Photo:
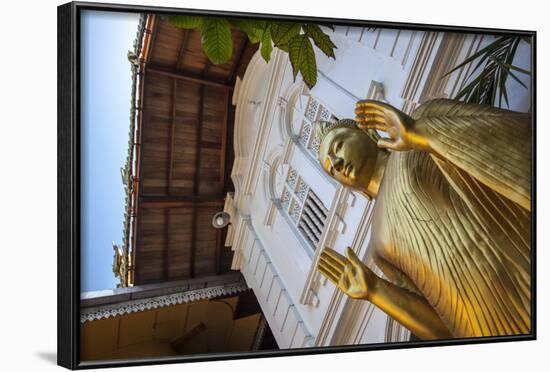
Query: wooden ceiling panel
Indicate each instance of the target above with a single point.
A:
(167, 40)
(182, 186)
(187, 98)
(159, 93)
(155, 168)
(210, 161)
(211, 134)
(183, 178)
(179, 243)
(153, 187)
(185, 148)
(193, 59)
(218, 72)
(247, 55)
(214, 95)
(210, 188)
(204, 221)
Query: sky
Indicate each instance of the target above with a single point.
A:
(106, 82)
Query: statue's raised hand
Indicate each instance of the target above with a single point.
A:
(400, 127)
(351, 275)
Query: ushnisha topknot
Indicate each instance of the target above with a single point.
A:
(323, 127)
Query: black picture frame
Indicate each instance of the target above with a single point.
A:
(69, 204)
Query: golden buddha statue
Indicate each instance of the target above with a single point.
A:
(452, 217)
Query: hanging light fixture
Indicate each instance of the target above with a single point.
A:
(221, 220)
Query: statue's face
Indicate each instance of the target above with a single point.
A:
(349, 156)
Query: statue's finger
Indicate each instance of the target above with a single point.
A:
(368, 117)
(353, 257)
(368, 110)
(332, 262)
(372, 104)
(336, 256)
(374, 124)
(365, 103)
(386, 143)
(328, 275)
(334, 271)
(331, 252)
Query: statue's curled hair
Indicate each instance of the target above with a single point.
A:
(322, 128)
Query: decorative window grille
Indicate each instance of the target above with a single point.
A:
(312, 221)
(312, 109)
(303, 206)
(315, 110)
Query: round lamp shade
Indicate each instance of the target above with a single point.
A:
(221, 220)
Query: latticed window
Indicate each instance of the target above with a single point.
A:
(303, 206)
(314, 111)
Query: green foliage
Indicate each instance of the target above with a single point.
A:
(489, 87)
(216, 39)
(302, 59)
(187, 22)
(284, 31)
(266, 48)
(321, 40)
(294, 38)
(252, 28)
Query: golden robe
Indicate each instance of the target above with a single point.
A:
(454, 225)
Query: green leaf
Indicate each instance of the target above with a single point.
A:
(254, 29)
(282, 32)
(216, 40)
(508, 72)
(516, 68)
(283, 47)
(495, 59)
(320, 39)
(294, 55)
(483, 53)
(186, 22)
(473, 84)
(266, 47)
(302, 58)
(501, 78)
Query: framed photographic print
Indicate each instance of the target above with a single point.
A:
(237, 185)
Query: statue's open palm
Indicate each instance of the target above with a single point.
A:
(384, 117)
(348, 273)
